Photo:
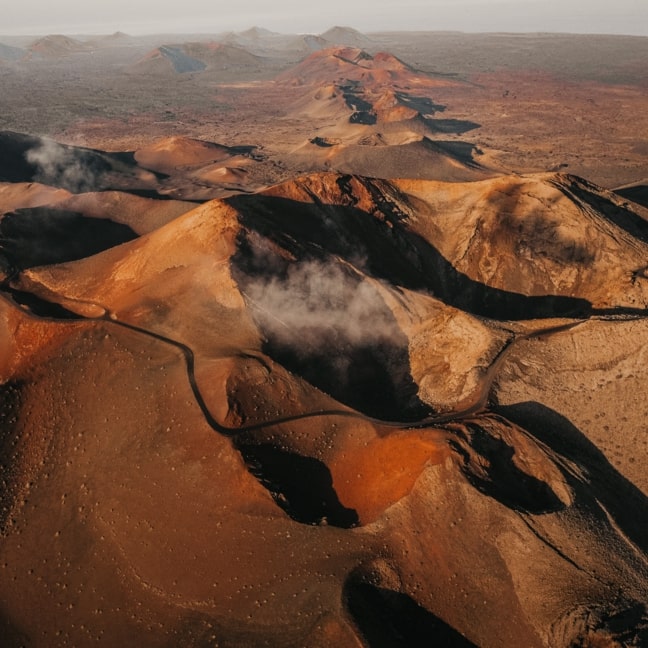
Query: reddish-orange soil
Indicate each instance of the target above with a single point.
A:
(336, 351)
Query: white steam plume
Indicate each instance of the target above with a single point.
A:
(315, 297)
(59, 166)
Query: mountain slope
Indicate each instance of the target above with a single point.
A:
(331, 369)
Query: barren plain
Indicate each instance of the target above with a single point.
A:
(324, 340)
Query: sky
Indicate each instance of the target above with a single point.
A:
(21, 17)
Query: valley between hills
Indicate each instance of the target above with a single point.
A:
(324, 340)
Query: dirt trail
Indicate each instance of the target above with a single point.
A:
(479, 404)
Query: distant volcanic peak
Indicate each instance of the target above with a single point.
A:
(387, 98)
(315, 42)
(345, 36)
(354, 55)
(362, 58)
(388, 61)
(180, 60)
(180, 142)
(108, 40)
(354, 65)
(375, 153)
(177, 151)
(327, 61)
(389, 106)
(56, 39)
(373, 93)
(153, 54)
(215, 53)
(170, 58)
(56, 45)
(257, 33)
(195, 57)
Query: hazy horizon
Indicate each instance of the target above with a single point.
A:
(30, 17)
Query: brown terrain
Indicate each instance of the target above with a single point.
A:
(327, 340)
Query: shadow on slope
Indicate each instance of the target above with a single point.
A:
(10, 397)
(389, 619)
(25, 158)
(463, 152)
(497, 475)
(423, 105)
(181, 61)
(301, 486)
(323, 320)
(43, 236)
(12, 637)
(636, 193)
(380, 245)
(450, 126)
(36, 305)
(584, 193)
(622, 499)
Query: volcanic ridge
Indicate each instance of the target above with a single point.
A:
(344, 408)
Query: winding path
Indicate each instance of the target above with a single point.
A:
(479, 403)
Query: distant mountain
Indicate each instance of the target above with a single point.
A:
(315, 43)
(177, 167)
(118, 35)
(117, 39)
(345, 36)
(345, 64)
(268, 43)
(257, 33)
(370, 89)
(56, 45)
(194, 57)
